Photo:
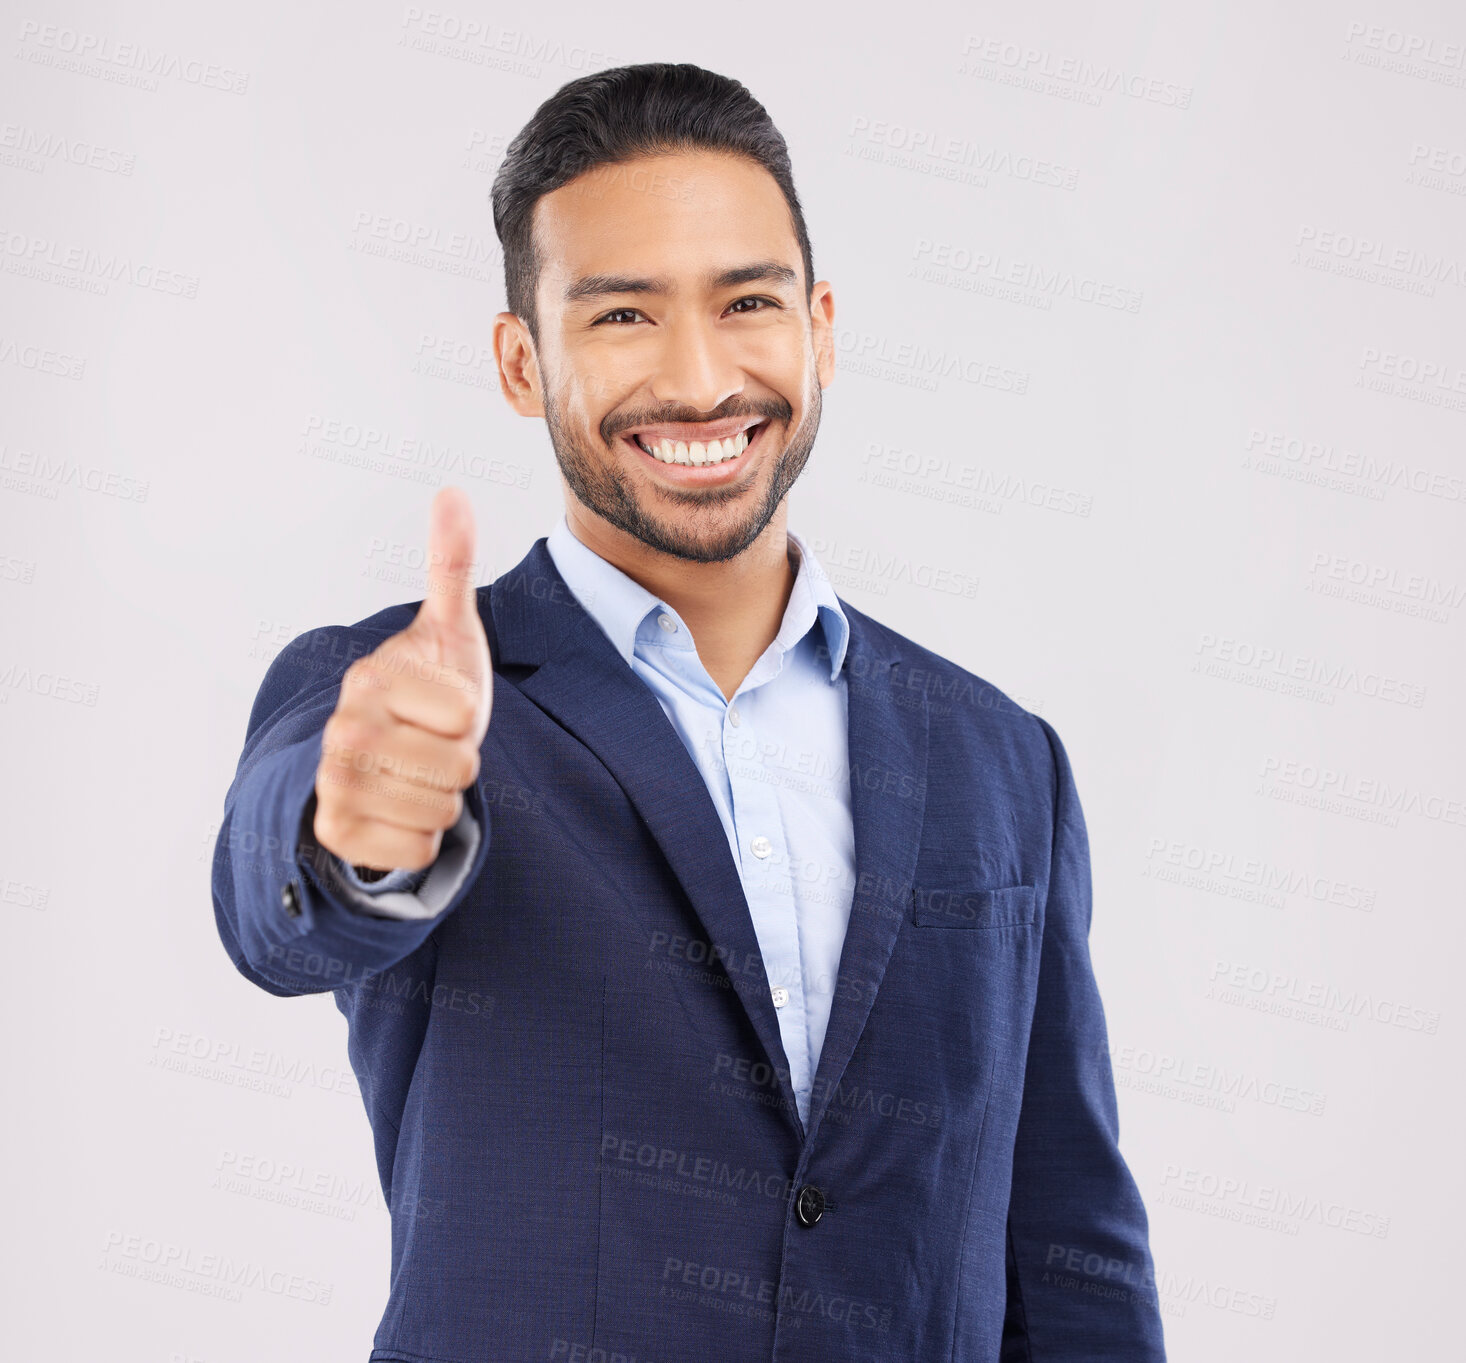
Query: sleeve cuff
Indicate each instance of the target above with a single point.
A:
(408, 894)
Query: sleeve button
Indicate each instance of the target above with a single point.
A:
(290, 898)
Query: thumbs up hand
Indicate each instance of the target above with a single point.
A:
(404, 739)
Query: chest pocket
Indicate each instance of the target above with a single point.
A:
(1006, 906)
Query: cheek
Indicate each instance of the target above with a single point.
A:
(778, 354)
(782, 377)
(589, 393)
(598, 373)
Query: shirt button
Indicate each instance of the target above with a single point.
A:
(760, 847)
(290, 899)
(734, 718)
(781, 996)
(667, 623)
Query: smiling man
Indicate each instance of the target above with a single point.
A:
(715, 958)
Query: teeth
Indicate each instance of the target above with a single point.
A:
(697, 454)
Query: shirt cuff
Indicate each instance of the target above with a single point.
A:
(398, 879)
(409, 894)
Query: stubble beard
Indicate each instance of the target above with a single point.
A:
(606, 489)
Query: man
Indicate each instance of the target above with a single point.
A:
(715, 958)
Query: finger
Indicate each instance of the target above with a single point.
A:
(397, 683)
(384, 799)
(450, 608)
(404, 751)
(377, 846)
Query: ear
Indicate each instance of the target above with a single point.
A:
(822, 324)
(519, 366)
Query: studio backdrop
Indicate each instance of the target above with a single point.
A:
(1149, 408)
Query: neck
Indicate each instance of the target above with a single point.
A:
(733, 608)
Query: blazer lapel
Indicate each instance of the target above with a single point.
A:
(582, 682)
(888, 771)
(585, 685)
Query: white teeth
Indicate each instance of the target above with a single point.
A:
(698, 454)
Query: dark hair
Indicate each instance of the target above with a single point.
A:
(619, 115)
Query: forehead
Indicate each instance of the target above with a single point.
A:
(676, 215)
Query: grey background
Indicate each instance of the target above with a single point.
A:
(1170, 449)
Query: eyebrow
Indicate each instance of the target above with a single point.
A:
(760, 271)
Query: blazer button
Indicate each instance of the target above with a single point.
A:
(810, 1205)
(290, 899)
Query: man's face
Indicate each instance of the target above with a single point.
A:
(672, 307)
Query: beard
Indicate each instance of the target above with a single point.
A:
(694, 525)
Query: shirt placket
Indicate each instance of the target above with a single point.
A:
(763, 865)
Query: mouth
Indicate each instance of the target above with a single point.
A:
(699, 461)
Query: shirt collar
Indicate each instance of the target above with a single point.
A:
(814, 596)
(620, 605)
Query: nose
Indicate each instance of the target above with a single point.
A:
(695, 368)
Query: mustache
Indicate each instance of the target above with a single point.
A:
(776, 409)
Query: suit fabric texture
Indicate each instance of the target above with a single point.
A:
(580, 1102)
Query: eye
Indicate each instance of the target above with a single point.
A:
(733, 307)
(615, 312)
(752, 298)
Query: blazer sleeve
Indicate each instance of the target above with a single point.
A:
(1081, 1282)
(284, 913)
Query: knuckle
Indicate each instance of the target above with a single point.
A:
(361, 684)
(423, 850)
(465, 707)
(377, 670)
(346, 735)
(329, 829)
(430, 807)
(356, 732)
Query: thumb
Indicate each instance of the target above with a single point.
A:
(448, 620)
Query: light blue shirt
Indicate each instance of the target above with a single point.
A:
(775, 759)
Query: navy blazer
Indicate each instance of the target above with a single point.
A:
(582, 1113)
